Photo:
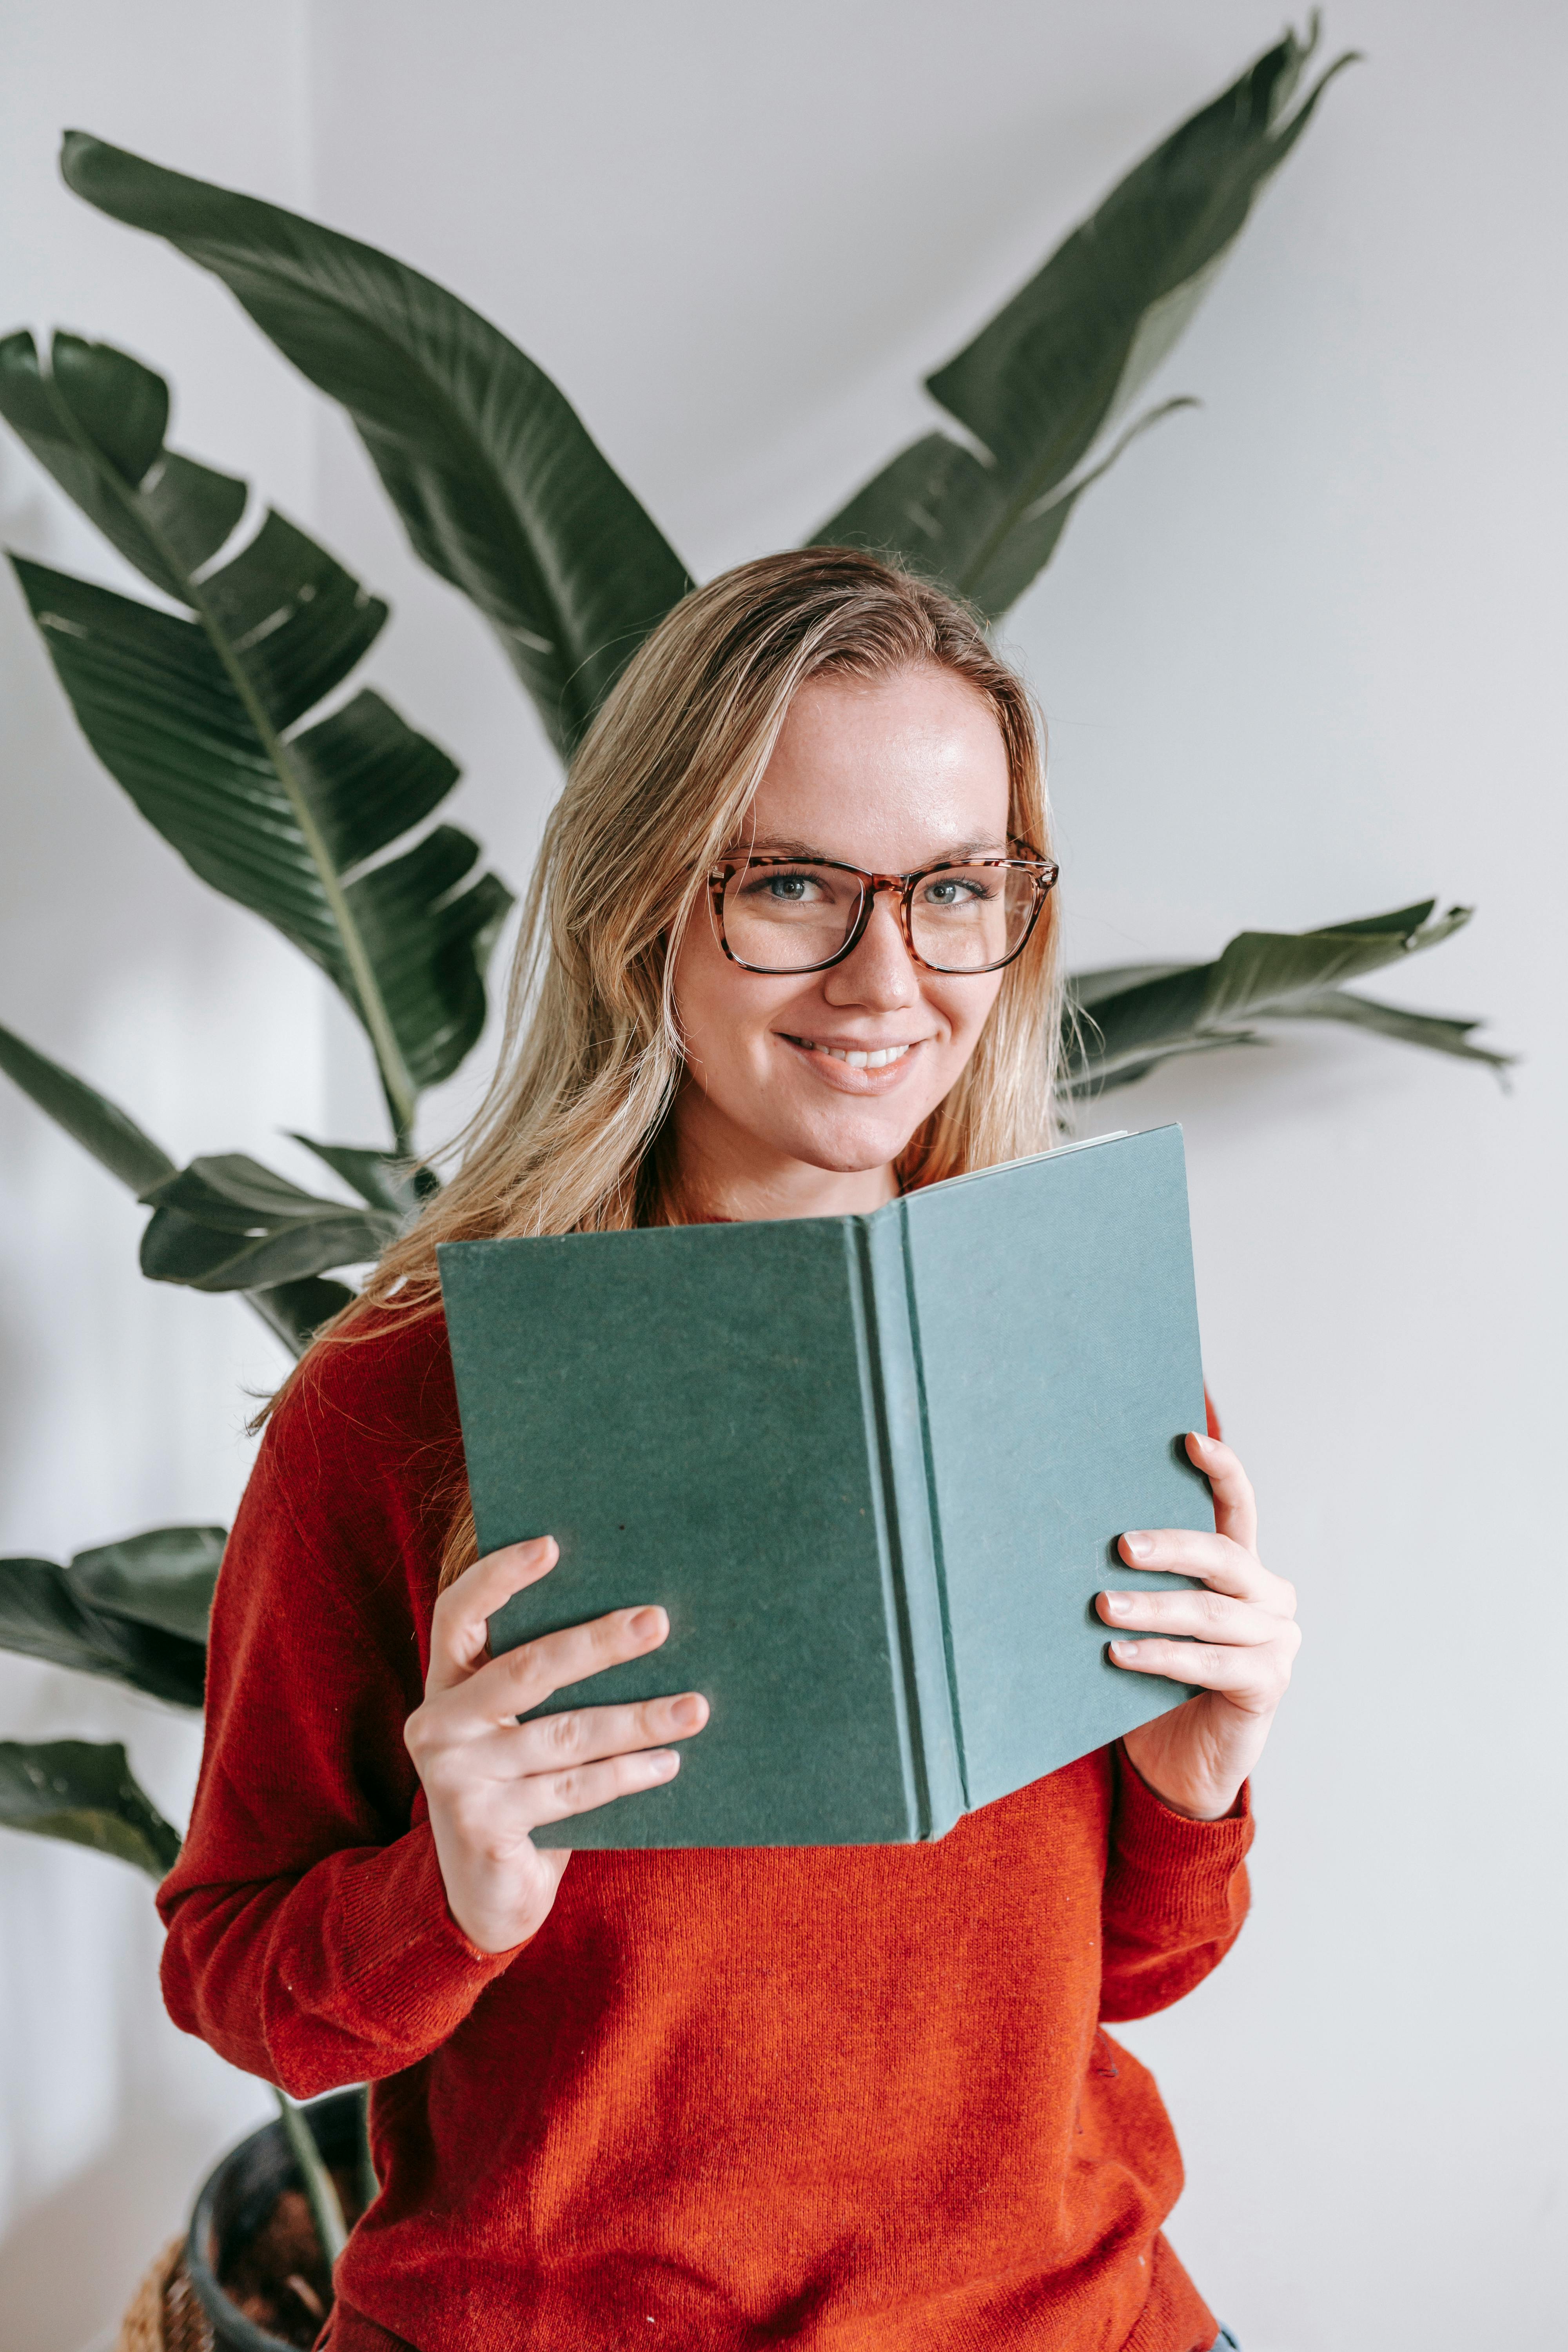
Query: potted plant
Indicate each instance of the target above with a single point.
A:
(327, 827)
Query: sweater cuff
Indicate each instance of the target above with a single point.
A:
(403, 1961)
(1174, 1852)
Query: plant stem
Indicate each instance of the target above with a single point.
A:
(369, 2186)
(314, 2179)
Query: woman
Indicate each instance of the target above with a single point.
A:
(844, 2098)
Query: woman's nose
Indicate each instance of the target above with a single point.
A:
(880, 970)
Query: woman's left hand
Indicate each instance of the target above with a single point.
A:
(1245, 1639)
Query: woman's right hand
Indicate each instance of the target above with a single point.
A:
(490, 1779)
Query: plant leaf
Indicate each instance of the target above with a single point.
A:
(228, 1223)
(100, 1126)
(1123, 1022)
(164, 1578)
(41, 1616)
(97, 425)
(1062, 359)
(1439, 1034)
(199, 718)
(501, 488)
(296, 1311)
(83, 1791)
(381, 1178)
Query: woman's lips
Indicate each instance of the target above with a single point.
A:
(857, 1069)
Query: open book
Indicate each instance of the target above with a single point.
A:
(874, 1467)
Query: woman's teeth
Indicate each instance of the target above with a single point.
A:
(876, 1061)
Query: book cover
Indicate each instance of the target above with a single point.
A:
(874, 1467)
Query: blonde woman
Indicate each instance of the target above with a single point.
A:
(792, 946)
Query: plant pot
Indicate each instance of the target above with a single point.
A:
(241, 2199)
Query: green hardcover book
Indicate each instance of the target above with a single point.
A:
(874, 1467)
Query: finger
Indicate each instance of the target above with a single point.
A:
(1255, 1679)
(1235, 1503)
(554, 1795)
(1205, 1616)
(458, 1632)
(585, 1735)
(1217, 1560)
(525, 1677)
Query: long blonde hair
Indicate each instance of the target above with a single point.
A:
(574, 1134)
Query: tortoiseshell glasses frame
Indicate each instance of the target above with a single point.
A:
(1037, 872)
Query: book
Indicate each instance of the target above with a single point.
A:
(874, 1467)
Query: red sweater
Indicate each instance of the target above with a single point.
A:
(850, 2099)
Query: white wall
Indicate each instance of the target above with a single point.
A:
(1299, 658)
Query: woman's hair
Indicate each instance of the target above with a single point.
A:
(573, 1135)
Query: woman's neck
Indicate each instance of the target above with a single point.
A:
(719, 1173)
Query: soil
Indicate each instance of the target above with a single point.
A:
(279, 2280)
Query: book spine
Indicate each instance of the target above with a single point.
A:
(912, 1567)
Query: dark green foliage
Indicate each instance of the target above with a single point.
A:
(100, 1126)
(164, 1578)
(1045, 378)
(229, 1224)
(243, 1218)
(44, 1614)
(1123, 1022)
(198, 718)
(499, 487)
(83, 1790)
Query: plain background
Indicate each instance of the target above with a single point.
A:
(1301, 656)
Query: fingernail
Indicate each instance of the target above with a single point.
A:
(686, 1712)
(665, 1765)
(644, 1623)
(1138, 1547)
(1125, 1649)
(1200, 1437)
(1119, 1603)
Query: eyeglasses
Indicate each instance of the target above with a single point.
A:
(793, 914)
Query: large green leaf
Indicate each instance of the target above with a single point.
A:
(294, 1310)
(499, 487)
(1066, 355)
(1126, 1020)
(42, 1616)
(297, 1310)
(198, 718)
(229, 1224)
(84, 1792)
(100, 1126)
(385, 1179)
(164, 1578)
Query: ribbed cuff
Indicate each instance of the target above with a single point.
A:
(1191, 1864)
(403, 1962)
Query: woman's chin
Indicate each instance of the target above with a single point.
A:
(850, 1146)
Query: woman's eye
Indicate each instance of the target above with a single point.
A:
(786, 890)
(949, 891)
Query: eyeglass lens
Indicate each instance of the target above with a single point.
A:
(790, 918)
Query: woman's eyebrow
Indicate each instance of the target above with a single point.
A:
(782, 845)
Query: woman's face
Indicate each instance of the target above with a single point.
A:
(891, 775)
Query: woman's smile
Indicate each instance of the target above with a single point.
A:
(857, 1067)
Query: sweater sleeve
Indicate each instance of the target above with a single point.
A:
(310, 1939)
(1176, 1896)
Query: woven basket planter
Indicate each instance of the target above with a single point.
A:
(165, 2314)
(181, 2305)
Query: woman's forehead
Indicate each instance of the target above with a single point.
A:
(912, 766)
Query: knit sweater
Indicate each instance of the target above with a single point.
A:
(851, 2099)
